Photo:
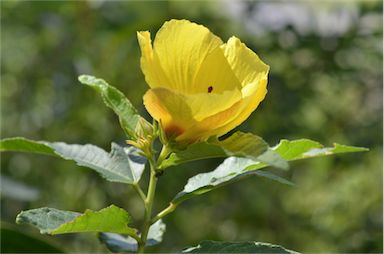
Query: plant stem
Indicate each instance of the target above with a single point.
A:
(135, 236)
(165, 151)
(148, 207)
(139, 191)
(163, 213)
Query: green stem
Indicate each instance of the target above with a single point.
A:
(135, 236)
(148, 207)
(163, 213)
(139, 191)
(165, 151)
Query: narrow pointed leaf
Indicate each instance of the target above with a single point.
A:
(306, 148)
(234, 168)
(237, 247)
(121, 243)
(239, 144)
(116, 100)
(53, 221)
(122, 164)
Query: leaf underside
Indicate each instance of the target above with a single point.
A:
(53, 221)
(237, 247)
(121, 243)
(122, 164)
(235, 168)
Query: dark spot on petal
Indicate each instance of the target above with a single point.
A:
(173, 131)
(210, 88)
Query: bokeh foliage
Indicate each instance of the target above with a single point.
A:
(325, 84)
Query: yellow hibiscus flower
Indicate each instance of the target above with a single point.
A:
(199, 86)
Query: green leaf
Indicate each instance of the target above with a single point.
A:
(271, 176)
(46, 219)
(239, 144)
(114, 99)
(237, 247)
(53, 221)
(234, 168)
(19, 144)
(122, 164)
(120, 243)
(306, 148)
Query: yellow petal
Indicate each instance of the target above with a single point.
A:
(254, 94)
(216, 74)
(253, 74)
(204, 105)
(246, 65)
(150, 66)
(200, 87)
(211, 126)
(176, 110)
(182, 46)
(168, 108)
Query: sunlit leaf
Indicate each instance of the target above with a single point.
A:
(234, 168)
(19, 144)
(117, 101)
(306, 148)
(121, 243)
(237, 247)
(122, 164)
(239, 144)
(53, 221)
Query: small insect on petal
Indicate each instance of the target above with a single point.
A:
(210, 88)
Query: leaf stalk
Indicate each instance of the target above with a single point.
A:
(165, 212)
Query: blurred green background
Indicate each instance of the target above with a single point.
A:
(325, 84)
